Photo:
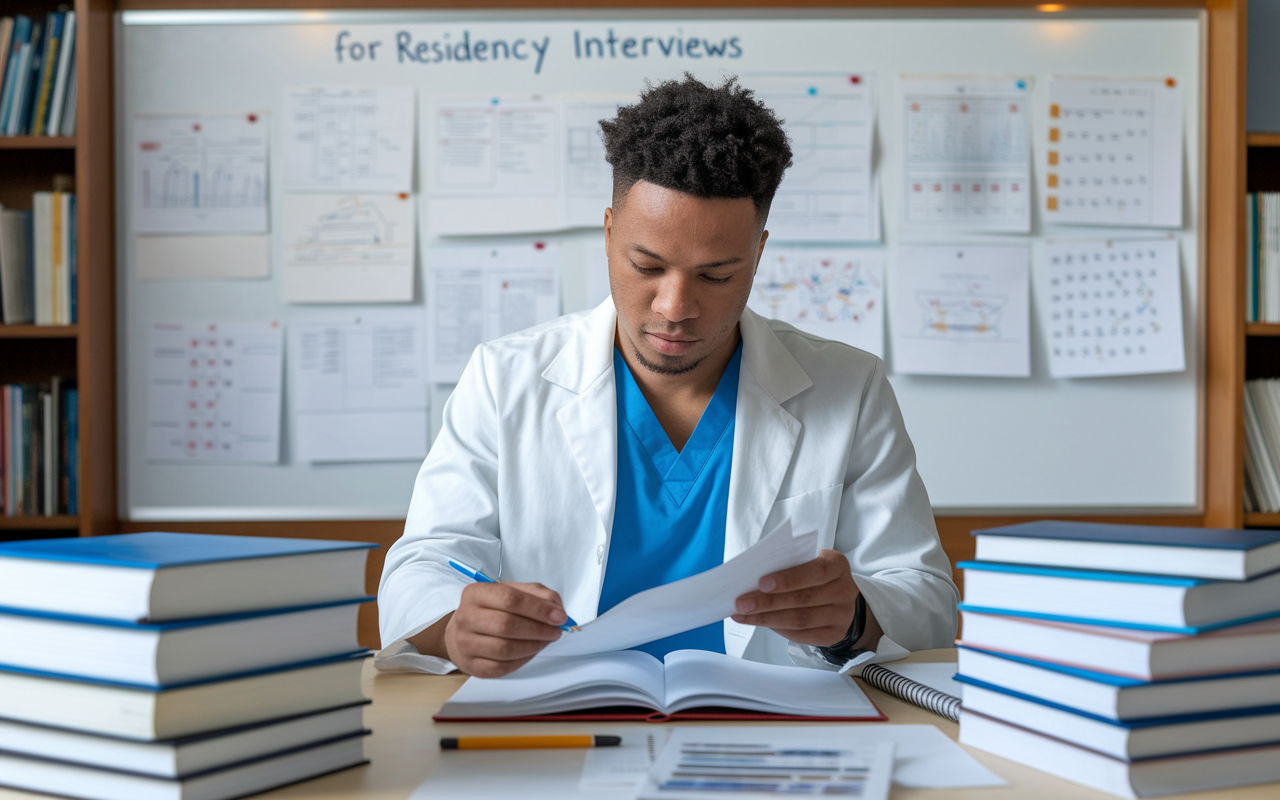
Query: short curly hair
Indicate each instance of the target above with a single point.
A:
(707, 141)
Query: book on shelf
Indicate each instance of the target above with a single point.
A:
(635, 686)
(1262, 445)
(37, 95)
(39, 448)
(39, 261)
(17, 268)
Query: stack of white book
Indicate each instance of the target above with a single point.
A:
(162, 665)
(1141, 661)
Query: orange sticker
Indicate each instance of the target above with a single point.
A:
(1053, 157)
(1055, 110)
(1053, 180)
(1052, 203)
(1053, 134)
(1170, 82)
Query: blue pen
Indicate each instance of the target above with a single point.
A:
(476, 575)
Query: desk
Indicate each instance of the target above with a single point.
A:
(404, 747)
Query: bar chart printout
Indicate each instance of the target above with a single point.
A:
(200, 173)
(966, 153)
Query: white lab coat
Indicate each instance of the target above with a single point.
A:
(521, 481)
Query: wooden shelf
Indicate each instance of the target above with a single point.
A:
(42, 331)
(1261, 519)
(1262, 329)
(1263, 139)
(58, 522)
(37, 142)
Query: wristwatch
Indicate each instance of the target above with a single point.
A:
(843, 650)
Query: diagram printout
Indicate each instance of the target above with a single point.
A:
(1111, 307)
(359, 392)
(1114, 155)
(836, 293)
(495, 166)
(349, 139)
(827, 195)
(966, 154)
(214, 392)
(476, 293)
(961, 310)
(351, 248)
(588, 178)
(200, 173)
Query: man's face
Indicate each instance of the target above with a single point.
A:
(680, 268)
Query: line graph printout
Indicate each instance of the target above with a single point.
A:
(1111, 307)
(348, 248)
(834, 293)
(349, 139)
(200, 173)
(961, 311)
(214, 392)
(827, 194)
(588, 178)
(476, 293)
(1114, 155)
(966, 153)
(495, 166)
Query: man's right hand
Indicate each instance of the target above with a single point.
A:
(497, 628)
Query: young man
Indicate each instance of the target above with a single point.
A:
(663, 433)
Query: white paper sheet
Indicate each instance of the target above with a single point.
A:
(200, 173)
(214, 392)
(494, 166)
(1114, 155)
(352, 248)
(690, 602)
(588, 178)
(961, 310)
(349, 139)
(755, 762)
(624, 766)
(597, 259)
(940, 676)
(837, 293)
(966, 155)
(827, 194)
(358, 389)
(191, 257)
(476, 293)
(1111, 307)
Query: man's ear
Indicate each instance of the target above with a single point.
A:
(608, 228)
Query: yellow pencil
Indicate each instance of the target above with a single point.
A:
(525, 742)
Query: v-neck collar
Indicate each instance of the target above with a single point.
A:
(679, 469)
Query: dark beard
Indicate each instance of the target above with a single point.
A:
(661, 370)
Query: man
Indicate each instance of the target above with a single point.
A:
(663, 433)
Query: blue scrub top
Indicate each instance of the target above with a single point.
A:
(671, 507)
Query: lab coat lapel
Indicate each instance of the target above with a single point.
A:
(590, 421)
(764, 440)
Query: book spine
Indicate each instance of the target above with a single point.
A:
(48, 464)
(21, 30)
(69, 106)
(13, 115)
(48, 64)
(39, 41)
(65, 58)
(30, 451)
(73, 450)
(903, 688)
(1250, 279)
(6, 39)
(42, 220)
(73, 254)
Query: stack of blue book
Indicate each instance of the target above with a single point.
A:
(166, 665)
(1141, 661)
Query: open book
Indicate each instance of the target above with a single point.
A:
(688, 684)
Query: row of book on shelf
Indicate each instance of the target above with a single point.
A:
(1262, 257)
(1138, 660)
(223, 665)
(1262, 445)
(38, 84)
(38, 261)
(39, 448)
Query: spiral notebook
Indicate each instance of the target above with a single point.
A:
(930, 686)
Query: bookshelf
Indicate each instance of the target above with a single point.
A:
(1262, 339)
(86, 350)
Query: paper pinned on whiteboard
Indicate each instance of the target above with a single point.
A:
(352, 248)
(476, 293)
(192, 257)
(349, 139)
(200, 173)
(214, 392)
(358, 387)
(588, 177)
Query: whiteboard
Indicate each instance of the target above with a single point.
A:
(984, 445)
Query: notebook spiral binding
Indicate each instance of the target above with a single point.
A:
(944, 705)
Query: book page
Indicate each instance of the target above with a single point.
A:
(620, 678)
(700, 678)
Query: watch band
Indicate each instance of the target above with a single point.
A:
(843, 650)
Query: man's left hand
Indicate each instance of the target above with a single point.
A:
(813, 603)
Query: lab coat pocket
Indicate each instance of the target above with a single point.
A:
(817, 510)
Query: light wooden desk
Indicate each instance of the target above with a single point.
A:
(405, 745)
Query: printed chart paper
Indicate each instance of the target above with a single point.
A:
(834, 293)
(1114, 155)
(353, 248)
(214, 392)
(827, 195)
(200, 173)
(966, 154)
(359, 392)
(349, 139)
(1111, 307)
(476, 293)
(961, 311)
(588, 178)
